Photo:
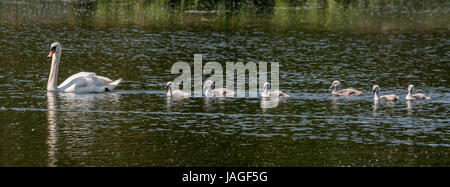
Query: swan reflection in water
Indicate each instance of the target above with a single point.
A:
(94, 101)
(412, 106)
(52, 128)
(212, 103)
(375, 106)
(386, 106)
(409, 108)
(338, 102)
(377, 103)
(391, 103)
(209, 103)
(268, 103)
(174, 103)
(59, 103)
(334, 105)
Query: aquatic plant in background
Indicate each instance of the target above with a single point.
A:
(332, 15)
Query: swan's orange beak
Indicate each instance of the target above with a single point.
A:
(51, 53)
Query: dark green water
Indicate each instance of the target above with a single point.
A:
(136, 125)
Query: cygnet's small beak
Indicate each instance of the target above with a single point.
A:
(331, 87)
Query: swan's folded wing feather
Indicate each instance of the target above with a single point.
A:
(349, 92)
(221, 92)
(74, 84)
(391, 97)
(278, 93)
(104, 79)
(77, 76)
(421, 96)
(180, 94)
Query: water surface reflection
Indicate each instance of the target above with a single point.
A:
(52, 128)
(138, 125)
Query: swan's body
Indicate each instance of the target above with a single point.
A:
(82, 82)
(272, 93)
(376, 92)
(391, 97)
(175, 93)
(344, 92)
(417, 96)
(219, 92)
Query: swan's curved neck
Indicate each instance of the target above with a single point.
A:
(376, 97)
(335, 90)
(265, 90)
(170, 90)
(208, 91)
(53, 77)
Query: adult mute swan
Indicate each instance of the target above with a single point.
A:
(376, 91)
(417, 96)
(219, 92)
(175, 93)
(271, 93)
(82, 82)
(345, 92)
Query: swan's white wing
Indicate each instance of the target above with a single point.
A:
(279, 93)
(179, 94)
(421, 96)
(83, 82)
(104, 79)
(349, 92)
(75, 76)
(221, 92)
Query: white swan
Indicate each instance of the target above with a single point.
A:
(175, 93)
(83, 82)
(269, 94)
(219, 92)
(376, 91)
(345, 92)
(417, 96)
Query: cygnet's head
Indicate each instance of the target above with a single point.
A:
(375, 89)
(169, 85)
(266, 86)
(208, 84)
(336, 84)
(410, 88)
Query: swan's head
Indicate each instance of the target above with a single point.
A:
(375, 89)
(169, 84)
(336, 84)
(266, 86)
(410, 88)
(208, 84)
(54, 48)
